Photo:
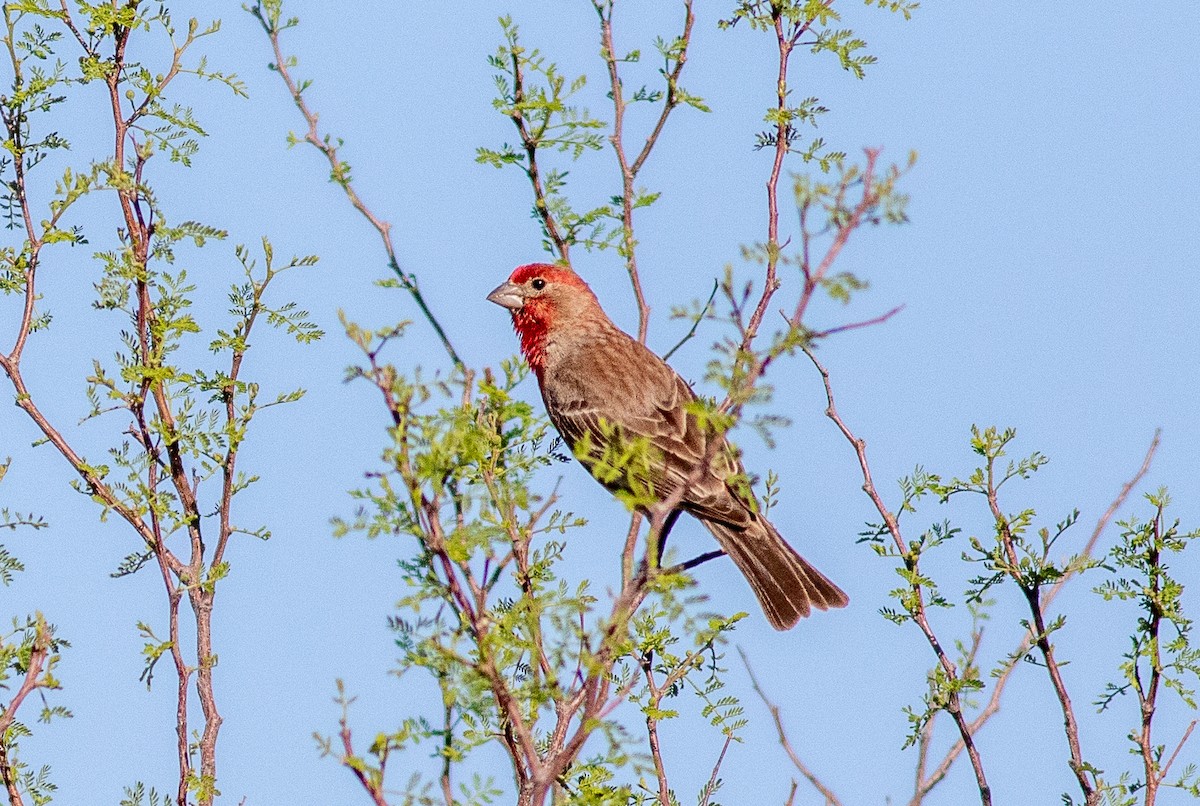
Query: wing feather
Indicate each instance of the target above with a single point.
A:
(592, 402)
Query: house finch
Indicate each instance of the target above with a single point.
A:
(609, 396)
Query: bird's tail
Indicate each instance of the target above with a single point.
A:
(787, 586)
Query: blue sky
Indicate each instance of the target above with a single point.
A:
(1049, 281)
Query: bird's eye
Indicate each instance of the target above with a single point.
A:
(538, 284)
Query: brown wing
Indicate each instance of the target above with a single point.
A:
(625, 392)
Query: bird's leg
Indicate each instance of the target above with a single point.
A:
(661, 541)
(692, 563)
(656, 545)
(664, 533)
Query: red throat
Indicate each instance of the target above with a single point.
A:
(532, 323)
(535, 318)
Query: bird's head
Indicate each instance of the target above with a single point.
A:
(542, 298)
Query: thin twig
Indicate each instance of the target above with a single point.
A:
(1119, 501)
(827, 793)
(340, 173)
(1187, 734)
(711, 787)
(695, 561)
(139, 228)
(530, 143)
(1150, 629)
(695, 324)
(868, 199)
(770, 283)
(821, 334)
(629, 171)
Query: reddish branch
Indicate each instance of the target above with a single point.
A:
(711, 787)
(1148, 698)
(786, 39)
(34, 679)
(149, 404)
(11, 363)
(139, 229)
(876, 320)
(953, 701)
(369, 784)
(1041, 640)
(869, 198)
(150, 533)
(1187, 734)
(660, 770)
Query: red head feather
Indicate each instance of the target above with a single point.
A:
(536, 317)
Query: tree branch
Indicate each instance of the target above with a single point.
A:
(339, 173)
(629, 171)
(925, 784)
(954, 704)
(1042, 641)
(831, 799)
(34, 679)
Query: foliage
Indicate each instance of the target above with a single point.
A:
(489, 615)
(1160, 654)
(173, 428)
(568, 676)
(522, 656)
(535, 96)
(29, 654)
(1025, 557)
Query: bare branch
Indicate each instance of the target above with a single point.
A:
(699, 318)
(711, 787)
(1119, 501)
(1187, 734)
(830, 798)
(340, 173)
(821, 334)
(695, 561)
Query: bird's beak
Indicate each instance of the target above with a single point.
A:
(507, 295)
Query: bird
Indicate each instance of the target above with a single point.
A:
(605, 393)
